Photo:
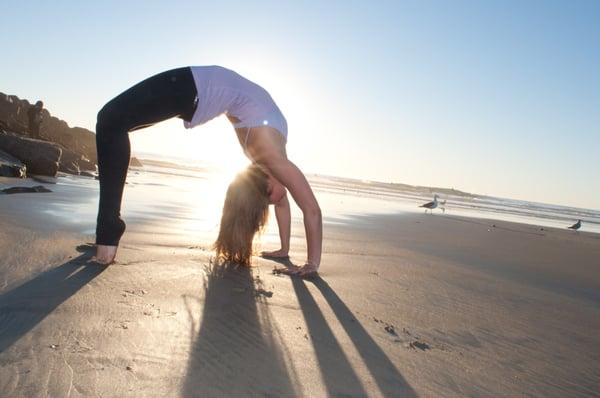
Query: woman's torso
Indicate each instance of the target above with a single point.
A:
(223, 91)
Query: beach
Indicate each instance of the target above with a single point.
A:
(406, 303)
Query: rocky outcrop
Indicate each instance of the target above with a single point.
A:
(76, 142)
(75, 139)
(40, 157)
(74, 163)
(11, 166)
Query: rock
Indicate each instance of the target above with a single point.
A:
(68, 162)
(391, 330)
(13, 117)
(43, 179)
(37, 188)
(135, 162)
(263, 292)
(73, 162)
(40, 157)
(420, 345)
(86, 164)
(416, 344)
(11, 166)
(13, 113)
(87, 174)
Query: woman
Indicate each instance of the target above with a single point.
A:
(198, 94)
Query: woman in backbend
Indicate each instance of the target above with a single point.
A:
(198, 94)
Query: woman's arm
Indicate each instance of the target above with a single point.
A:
(266, 147)
(283, 216)
(293, 179)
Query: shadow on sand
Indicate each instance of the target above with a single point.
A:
(25, 306)
(339, 376)
(236, 352)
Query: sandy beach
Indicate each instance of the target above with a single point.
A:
(407, 304)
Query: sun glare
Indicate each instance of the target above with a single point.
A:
(214, 145)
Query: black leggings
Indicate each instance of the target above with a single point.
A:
(160, 97)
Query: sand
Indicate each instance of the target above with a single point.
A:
(405, 305)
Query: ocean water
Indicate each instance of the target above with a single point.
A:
(189, 196)
(360, 197)
(203, 186)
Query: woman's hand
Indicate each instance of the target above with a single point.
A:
(306, 271)
(105, 255)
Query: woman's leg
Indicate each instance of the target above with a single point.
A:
(160, 97)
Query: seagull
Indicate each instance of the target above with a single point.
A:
(443, 205)
(575, 226)
(431, 205)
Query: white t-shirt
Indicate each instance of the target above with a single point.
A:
(222, 91)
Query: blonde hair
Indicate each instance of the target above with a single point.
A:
(245, 212)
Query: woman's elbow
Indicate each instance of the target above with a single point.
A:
(313, 211)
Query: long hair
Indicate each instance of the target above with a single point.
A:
(245, 212)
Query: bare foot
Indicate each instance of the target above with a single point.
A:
(275, 254)
(306, 271)
(105, 255)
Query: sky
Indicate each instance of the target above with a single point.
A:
(496, 98)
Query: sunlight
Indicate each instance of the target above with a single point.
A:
(214, 144)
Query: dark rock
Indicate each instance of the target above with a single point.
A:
(263, 292)
(40, 157)
(391, 330)
(37, 188)
(73, 162)
(420, 345)
(11, 170)
(68, 162)
(13, 113)
(13, 117)
(86, 164)
(11, 166)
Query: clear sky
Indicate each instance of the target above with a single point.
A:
(491, 97)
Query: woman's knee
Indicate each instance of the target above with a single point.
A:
(106, 123)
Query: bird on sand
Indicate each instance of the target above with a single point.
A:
(431, 205)
(575, 226)
(443, 205)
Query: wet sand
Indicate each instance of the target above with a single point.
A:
(406, 305)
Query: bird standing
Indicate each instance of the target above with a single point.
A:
(575, 226)
(431, 205)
